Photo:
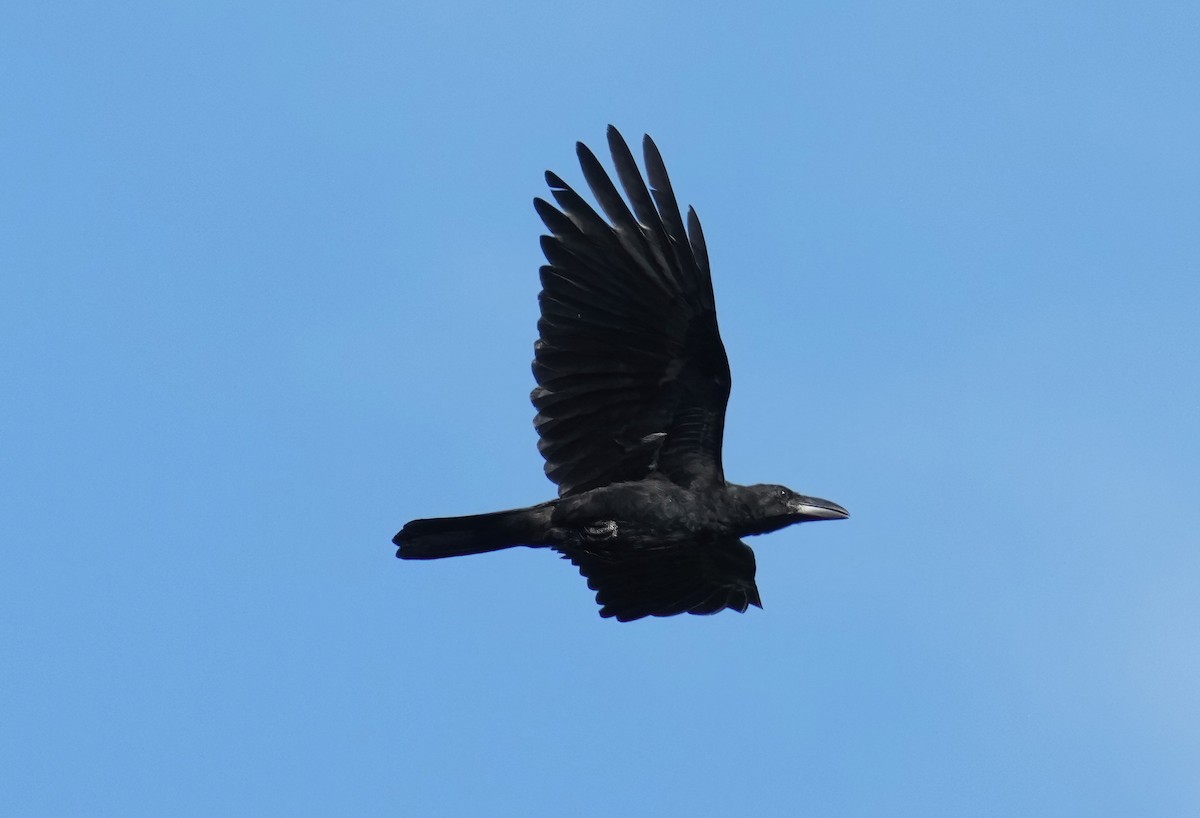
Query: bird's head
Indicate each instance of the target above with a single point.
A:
(774, 507)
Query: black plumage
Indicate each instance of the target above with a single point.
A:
(632, 386)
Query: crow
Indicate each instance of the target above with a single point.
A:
(632, 383)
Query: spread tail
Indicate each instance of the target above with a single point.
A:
(475, 534)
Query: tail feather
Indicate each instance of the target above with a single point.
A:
(475, 534)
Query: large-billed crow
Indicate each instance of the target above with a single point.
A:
(632, 386)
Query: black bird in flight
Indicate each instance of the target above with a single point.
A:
(632, 386)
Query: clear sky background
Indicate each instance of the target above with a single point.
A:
(268, 290)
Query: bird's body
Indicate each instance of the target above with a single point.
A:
(638, 515)
(632, 385)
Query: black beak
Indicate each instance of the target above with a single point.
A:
(814, 508)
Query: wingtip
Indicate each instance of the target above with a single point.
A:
(651, 152)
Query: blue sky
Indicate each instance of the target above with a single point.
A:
(268, 290)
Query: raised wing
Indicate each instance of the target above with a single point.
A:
(632, 375)
(673, 580)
